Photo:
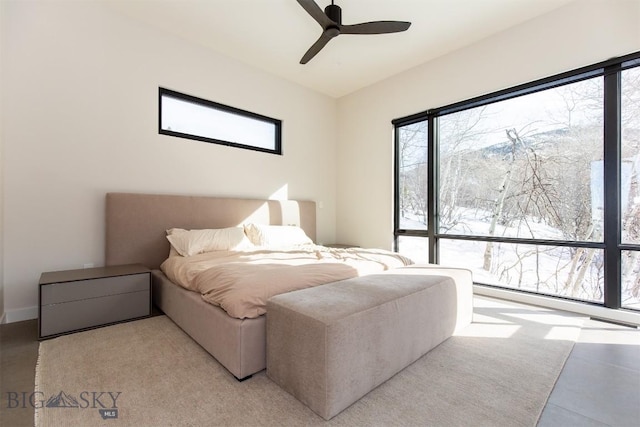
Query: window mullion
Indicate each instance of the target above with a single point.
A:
(432, 193)
(396, 187)
(612, 147)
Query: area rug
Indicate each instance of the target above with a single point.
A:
(499, 371)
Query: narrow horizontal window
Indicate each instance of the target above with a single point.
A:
(189, 117)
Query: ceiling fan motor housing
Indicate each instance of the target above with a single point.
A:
(334, 13)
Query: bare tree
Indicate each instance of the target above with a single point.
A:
(498, 205)
(413, 170)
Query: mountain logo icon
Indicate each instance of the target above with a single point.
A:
(62, 400)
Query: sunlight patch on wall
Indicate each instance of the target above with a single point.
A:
(280, 194)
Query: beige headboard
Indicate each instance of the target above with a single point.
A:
(136, 224)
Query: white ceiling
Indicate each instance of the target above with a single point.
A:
(274, 34)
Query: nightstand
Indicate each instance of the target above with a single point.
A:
(74, 300)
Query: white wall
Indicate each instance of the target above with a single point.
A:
(579, 34)
(82, 86)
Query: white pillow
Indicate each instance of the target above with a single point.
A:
(193, 242)
(276, 235)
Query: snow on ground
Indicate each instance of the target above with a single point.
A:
(544, 269)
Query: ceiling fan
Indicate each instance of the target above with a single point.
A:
(331, 22)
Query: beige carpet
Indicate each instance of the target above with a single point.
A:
(498, 372)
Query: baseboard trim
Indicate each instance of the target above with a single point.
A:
(3, 318)
(20, 314)
(621, 316)
(614, 322)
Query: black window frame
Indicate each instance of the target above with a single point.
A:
(162, 92)
(611, 71)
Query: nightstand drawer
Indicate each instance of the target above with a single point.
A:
(56, 293)
(87, 313)
(74, 300)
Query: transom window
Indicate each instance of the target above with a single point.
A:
(189, 117)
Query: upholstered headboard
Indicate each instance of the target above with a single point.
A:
(136, 224)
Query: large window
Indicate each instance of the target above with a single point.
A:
(534, 188)
(630, 186)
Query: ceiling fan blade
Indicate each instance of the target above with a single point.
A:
(316, 13)
(318, 45)
(377, 27)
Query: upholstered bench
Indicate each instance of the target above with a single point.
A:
(330, 345)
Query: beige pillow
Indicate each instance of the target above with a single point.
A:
(193, 242)
(276, 235)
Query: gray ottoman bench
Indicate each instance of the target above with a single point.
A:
(330, 345)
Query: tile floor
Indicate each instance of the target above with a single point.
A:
(600, 382)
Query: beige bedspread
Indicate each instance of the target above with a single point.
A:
(240, 282)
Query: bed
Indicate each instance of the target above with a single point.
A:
(136, 232)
